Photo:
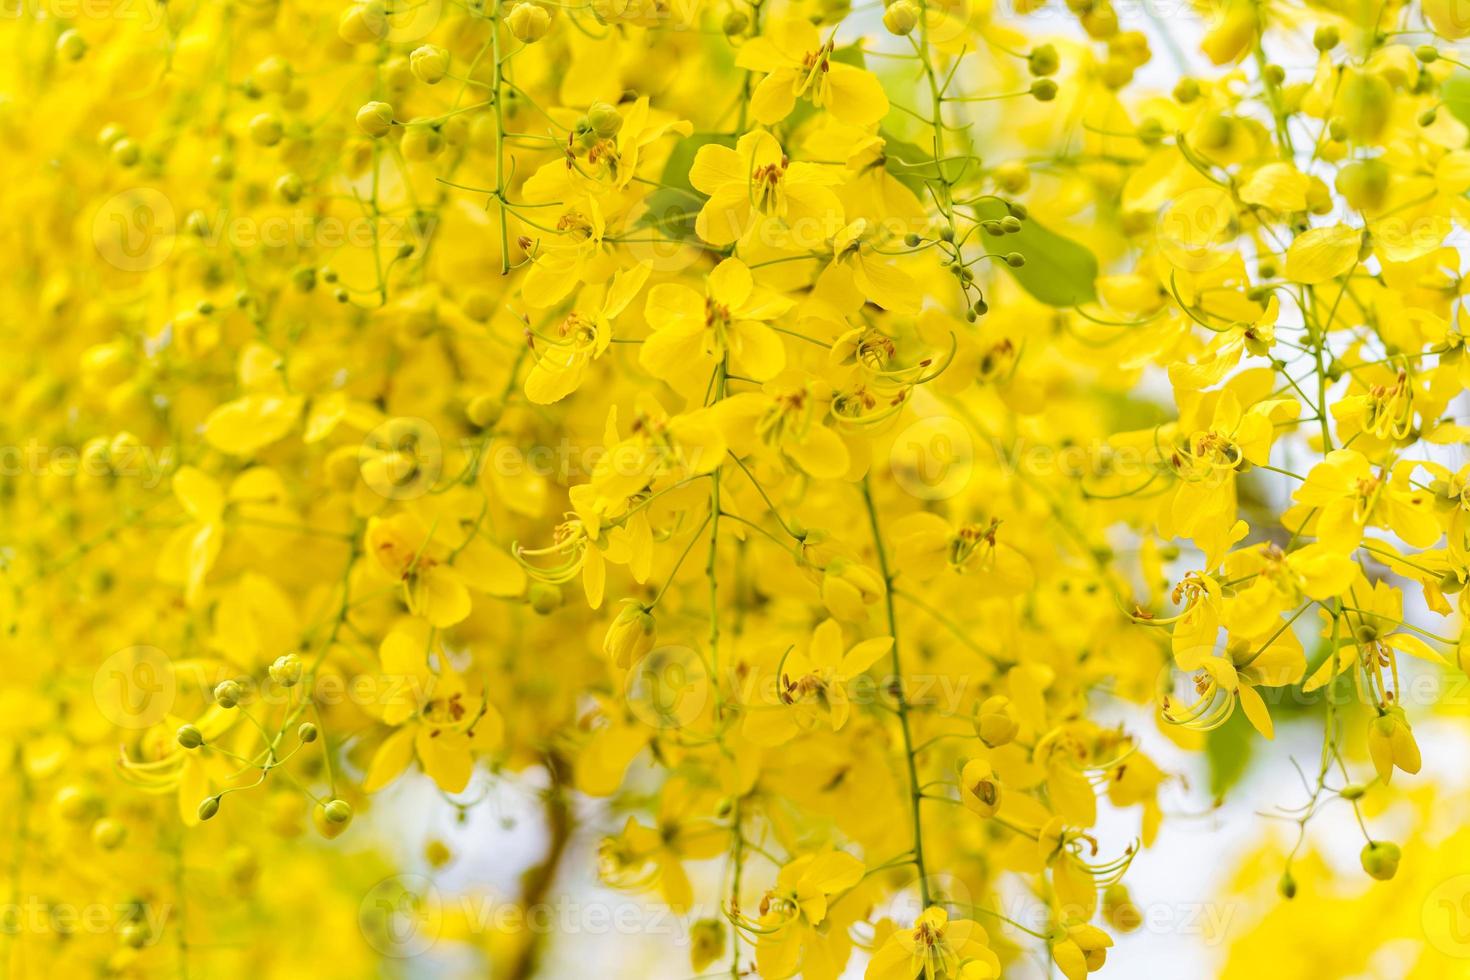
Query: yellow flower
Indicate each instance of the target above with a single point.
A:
(810, 686)
(643, 857)
(799, 64)
(405, 551)
(564, 352)
(791, 937)
(935, 949)
(757, 194)
(693, 333)
(1081, 950)
(437, 718)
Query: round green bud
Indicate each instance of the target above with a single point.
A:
(429, 63)
(338, 811)
(71, 46)
(306, 732)
(266, 129)
(901, 17)
(208, 807)
(286, 670)
(1015, 260)
(375, 119)
(1326, 38)
(288, 188)
(735, 22)
(545, 598)
(108, 834)
(227, 694)
(126, 153)
(189, 736)
(604, 119)
(1043, 60)
(1380, 859)
(912, 240)
(1043, 90)
(1186, 91)
(529, 22)
(1427, 53)
(1287, 885)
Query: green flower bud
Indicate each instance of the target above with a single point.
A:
(529, 22)
(545, 598)
(1380, 859)
(108, 834)
(901, 17)
(337, 811)
(189, 736)
(208, 807)
(71, 46)
(604, 119)
(266, 129)
(1043, 60)
(1044, 90)
(375, 119)
(288, 188)
(430, 63)
(286, 670)
(306, 732)
(227, 694)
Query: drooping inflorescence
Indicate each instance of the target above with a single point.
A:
(834, 471)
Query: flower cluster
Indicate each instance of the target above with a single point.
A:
(821, 453)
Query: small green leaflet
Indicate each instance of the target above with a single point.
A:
(1455, 93)
(674, 205)
(1058, 271)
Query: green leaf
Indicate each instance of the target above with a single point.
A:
(673, 206)
(905, 160)
(1058, 271)
(1228, 750)
(681, 157)
(1455, 93)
